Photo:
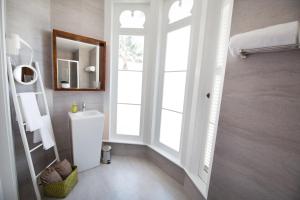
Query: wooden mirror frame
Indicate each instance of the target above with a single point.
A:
(80, 38)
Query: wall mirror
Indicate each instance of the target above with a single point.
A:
(25, 74)
(79, 62)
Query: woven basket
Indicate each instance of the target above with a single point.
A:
(63, 188)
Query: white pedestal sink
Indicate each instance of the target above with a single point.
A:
(87, 131)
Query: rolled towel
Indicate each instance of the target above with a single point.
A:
(50, 175)
(64, 168)
(282, 34)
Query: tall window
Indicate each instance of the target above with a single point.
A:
(129, 38)
(176, 36)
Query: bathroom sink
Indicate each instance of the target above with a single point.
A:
(87, 130)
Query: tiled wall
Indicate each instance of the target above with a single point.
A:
(33, 20)
(83, 17)
(257, 153)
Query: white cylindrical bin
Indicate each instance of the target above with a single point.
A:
(106, 157)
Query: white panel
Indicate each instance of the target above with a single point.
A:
(1, 191)
(128, 119)
(129, 87)
(173, 93)
(170, 129)
(87, 140)
(177, 50)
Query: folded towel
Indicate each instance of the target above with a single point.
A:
(282, 34)
(31, 112)
(46, 133)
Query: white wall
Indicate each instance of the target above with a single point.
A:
(8, 180)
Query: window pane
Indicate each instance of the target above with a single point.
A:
(177, 51)
(132, 19)
(180, 9)
(128, 119)
(129, 87)
(131, 52)
(173, 93)
(170, 129)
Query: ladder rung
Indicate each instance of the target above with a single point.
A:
(38, 146)
(46, 167)
(37, 93)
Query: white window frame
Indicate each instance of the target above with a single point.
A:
(166, 28)
(208, 47)
(118, 8)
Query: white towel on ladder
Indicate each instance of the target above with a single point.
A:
(45, 133)
(31, 112)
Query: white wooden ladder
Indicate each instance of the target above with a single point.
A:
(34, 175)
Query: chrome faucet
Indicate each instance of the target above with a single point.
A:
(83, 107)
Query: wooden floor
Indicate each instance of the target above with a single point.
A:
(127, 178)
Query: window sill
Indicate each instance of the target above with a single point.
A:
(166, 155)
(119, 141)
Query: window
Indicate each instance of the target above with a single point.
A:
(132, 19)
(128, 71)
(174, 69)
(180, 9)
(216, 92)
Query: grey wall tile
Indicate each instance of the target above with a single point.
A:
(257, 147)
(31, 20)
(84, 18)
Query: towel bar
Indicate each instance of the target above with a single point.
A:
(244, 53)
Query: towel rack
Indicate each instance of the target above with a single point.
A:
(244, 53)
(28, 151)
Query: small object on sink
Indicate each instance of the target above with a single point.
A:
(50, 175)
(65, 84)
(106, 158)
(83, 106)
(74, 108)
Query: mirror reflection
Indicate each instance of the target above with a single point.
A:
(77, 64)
(25, 74)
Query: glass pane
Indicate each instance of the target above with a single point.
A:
(173, 93)
(180, 9)
(170, 129)
(132, 19)
(177, 51)
(131, 52)
(129, 87)
(128, 119)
